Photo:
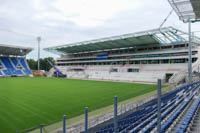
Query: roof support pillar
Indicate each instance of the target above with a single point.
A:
(189, 53)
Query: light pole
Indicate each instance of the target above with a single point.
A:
(39, 40)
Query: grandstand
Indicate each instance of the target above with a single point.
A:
(13, 61)
(37, 104)
(138, 57)
(179, 109)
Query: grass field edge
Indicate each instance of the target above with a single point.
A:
(57, 125)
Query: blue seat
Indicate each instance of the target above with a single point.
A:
(7, 72)
(11, 65)
(26, 69)
(182, 127)
(10, 69)
(138, 120)
(16, 63)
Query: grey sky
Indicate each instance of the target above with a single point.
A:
(66, 21)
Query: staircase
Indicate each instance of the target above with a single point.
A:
(180, 76)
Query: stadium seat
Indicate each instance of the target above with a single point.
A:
(145, 119)
(147, 73)
(16, 64)
(10, 70)
(27, 71)
(188, 117)
(11, 66)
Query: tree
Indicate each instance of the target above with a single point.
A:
(32, 64)
(44, 64)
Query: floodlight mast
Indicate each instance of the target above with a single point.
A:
(39, 40)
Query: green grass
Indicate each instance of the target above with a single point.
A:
(28, 102)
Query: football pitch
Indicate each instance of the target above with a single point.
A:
(29, 102)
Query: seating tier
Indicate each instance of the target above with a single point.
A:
(14, 66)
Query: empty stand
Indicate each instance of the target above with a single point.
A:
(10, 70)
(25, 66)
(16, 64)
(10, 66)
(173, 104)
(146, 73)
(183, 126)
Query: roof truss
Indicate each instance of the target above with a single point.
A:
(187, 10)
(161, 36)
(14, 50)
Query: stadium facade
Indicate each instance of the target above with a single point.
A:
(13, 61)
(139, 57)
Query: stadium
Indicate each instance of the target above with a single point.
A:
(131, 57)
(142, 82)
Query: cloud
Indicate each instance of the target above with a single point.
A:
(66, 21)
(88, 13)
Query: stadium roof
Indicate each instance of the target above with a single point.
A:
(161, 36)
(14, 50)
(187, 9)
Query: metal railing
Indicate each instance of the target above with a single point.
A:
(122, 109)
